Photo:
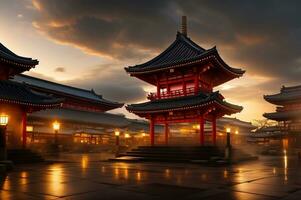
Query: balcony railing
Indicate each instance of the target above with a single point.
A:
(172, 94)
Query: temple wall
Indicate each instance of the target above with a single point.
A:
(15, 126)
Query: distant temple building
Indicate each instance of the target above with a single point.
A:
(82, 115)
(185, 75)
(288, 110)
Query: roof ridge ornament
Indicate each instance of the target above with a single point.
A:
(184, 25)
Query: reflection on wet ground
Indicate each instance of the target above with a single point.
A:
(85, 177)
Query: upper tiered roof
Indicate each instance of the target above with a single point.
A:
(183, 52)
(287, 95)
(18, 63)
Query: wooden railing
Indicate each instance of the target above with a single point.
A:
(171, 94)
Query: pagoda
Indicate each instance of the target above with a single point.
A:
(184, 75)
(16, 99)
(288, 110)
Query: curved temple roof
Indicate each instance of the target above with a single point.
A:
(83, 117)
(282, 116)
(68, 90)
(181, 52)
(182, 103)
(9, 57)
(286, 95)
(17, 93)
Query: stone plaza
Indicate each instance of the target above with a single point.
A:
(91, 176)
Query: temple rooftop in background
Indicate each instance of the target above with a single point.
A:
(286, 95)
(288, 110)
(76, 95)
(17, 93)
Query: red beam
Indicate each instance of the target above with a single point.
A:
(214, 130)
(152, 131)
(166, 131)
(24, 133)
(202, 133)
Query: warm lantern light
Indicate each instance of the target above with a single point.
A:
(117, 133)
(143, 134)
(29, 128)
(3, 120)
(56, 126)
(236, 132)
(127, 135)
(196, 126)
(228, 130)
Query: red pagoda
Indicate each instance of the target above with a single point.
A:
(185, 75)
(16, 99)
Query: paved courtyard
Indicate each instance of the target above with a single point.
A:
(85, 177)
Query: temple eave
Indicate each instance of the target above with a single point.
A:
(282, 116)
(223, 107)
(235, 72)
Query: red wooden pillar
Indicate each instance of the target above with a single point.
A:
(24, 133)
(202, 131)
(196, 83)
(184, 85)
(214, 130)
(166, 131)
(152, 131)
(158, 90)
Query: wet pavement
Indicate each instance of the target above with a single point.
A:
(85, 177)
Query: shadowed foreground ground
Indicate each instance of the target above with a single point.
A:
(88, 178)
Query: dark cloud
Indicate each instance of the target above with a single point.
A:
(261, 36)
(112, 83)
(60, 69)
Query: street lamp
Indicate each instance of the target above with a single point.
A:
(117, 134)
(29, 129)
(228, 147)
(56, 127)
(228, 131)
(3, 125)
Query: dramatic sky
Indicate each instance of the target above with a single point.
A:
(87, 43)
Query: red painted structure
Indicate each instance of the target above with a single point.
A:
(184, 75)
(16, 99)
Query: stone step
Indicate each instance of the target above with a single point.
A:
(172, 153)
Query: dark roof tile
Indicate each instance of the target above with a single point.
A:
(180, 103)
(181, 52)
(17, 93)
